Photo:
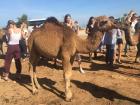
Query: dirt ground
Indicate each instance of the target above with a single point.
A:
(100, 85)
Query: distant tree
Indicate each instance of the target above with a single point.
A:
(23, 18)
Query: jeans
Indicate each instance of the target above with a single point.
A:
(110, 53)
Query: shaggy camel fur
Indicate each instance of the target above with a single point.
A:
(1, 40)
(54, 39)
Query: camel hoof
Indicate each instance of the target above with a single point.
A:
(68, 99)
(35, 91)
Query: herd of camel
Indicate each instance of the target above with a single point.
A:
(53, 39)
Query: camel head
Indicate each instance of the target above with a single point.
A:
(103, 23)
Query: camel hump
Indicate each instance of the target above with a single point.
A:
(52, 20)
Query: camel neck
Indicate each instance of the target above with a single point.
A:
(89, 44)
(82, 45)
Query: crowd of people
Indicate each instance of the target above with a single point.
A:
(112, 40)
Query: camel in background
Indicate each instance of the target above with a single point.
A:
(2, 36)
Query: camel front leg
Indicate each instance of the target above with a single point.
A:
(34, 90)
(67, 75)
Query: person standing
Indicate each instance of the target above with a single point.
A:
(110, 41)
(89, 28)
(13, 50)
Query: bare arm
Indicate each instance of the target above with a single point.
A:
(8, 33)
(77, 30)
(22, 33)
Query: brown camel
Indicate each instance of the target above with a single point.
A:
(134, 39)
(54, 39)
(131, 38)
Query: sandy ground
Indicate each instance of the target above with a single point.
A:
(100, 85)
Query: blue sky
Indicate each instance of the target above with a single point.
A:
(80, 10)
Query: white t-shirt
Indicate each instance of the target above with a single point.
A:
(14, 38)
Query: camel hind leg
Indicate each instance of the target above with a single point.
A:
(1, 48)
(35, 78)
